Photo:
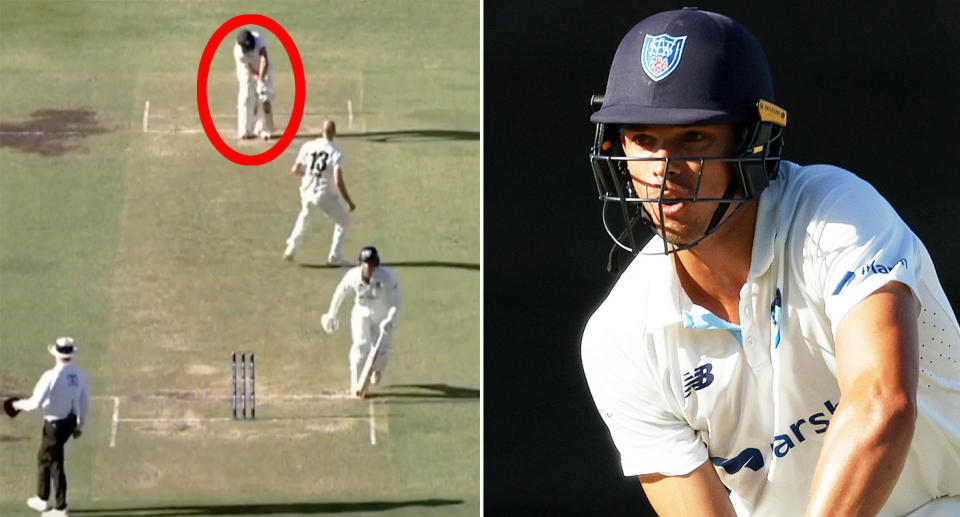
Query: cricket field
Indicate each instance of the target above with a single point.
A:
(121, 225)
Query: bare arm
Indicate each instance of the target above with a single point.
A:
(342, 187)
(264, 63)
(869, 436)
(298, 169)
(697, 494)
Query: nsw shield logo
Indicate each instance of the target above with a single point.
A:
(661, 54)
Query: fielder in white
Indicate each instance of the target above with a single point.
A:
(782, 348)
(255, 94)
(62, 394)
(319, 164)
(376, 302)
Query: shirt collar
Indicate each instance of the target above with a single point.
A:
(664, 301)
(765, 230)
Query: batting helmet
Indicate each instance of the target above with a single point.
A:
(246, 40)
(678, 68)
(369, 254)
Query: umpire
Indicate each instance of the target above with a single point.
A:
(62, 393)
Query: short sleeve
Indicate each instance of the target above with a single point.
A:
(302, 155)
(338, 159)
(260, 43)
(627, 391)
(396, 298)
(855, 244)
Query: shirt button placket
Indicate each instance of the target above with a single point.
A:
(756, 355)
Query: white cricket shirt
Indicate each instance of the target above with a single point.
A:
(373, 299)
(678, 386)
(319, 157)
(61, 391)
(252, 58)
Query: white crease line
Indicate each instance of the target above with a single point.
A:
(146, 115)
(276, 114)
(116, 420)
(373, 426)
(183, 131)
(200, 420)
(342, 395)
(349, 113)
(184, 420)
(191, 131)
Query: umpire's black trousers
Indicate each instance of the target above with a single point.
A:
(50, 458)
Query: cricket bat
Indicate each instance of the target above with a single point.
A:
(363, 382)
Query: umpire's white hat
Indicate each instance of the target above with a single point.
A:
(64, 347)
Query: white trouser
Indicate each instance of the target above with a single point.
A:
(365, 329)
(335, 208)
(251, 117)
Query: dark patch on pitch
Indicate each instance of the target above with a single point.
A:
(51, 132)
(4, 438)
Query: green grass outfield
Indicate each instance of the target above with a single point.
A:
(124, 227)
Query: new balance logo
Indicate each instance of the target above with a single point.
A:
(698, 379)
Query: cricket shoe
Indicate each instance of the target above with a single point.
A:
(38, 504)
(248, 136)
(264, 135)
(56, 513)
(288, 256)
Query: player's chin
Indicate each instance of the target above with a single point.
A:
(670, 225)
(677, 233)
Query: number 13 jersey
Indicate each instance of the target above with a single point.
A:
(319, 157)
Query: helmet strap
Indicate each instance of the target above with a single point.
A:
(721, 208)
(617, 251)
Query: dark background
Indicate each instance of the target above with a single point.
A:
(875, 90)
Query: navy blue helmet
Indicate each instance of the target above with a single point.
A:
(369, 254)
(678, 68)
(245, 40)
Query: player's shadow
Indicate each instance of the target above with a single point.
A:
(406, 135)
(261, 509)
(426, 391)
(421, 263)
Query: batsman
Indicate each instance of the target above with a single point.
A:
(373, 321)
(780, 343)
(255, 94)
